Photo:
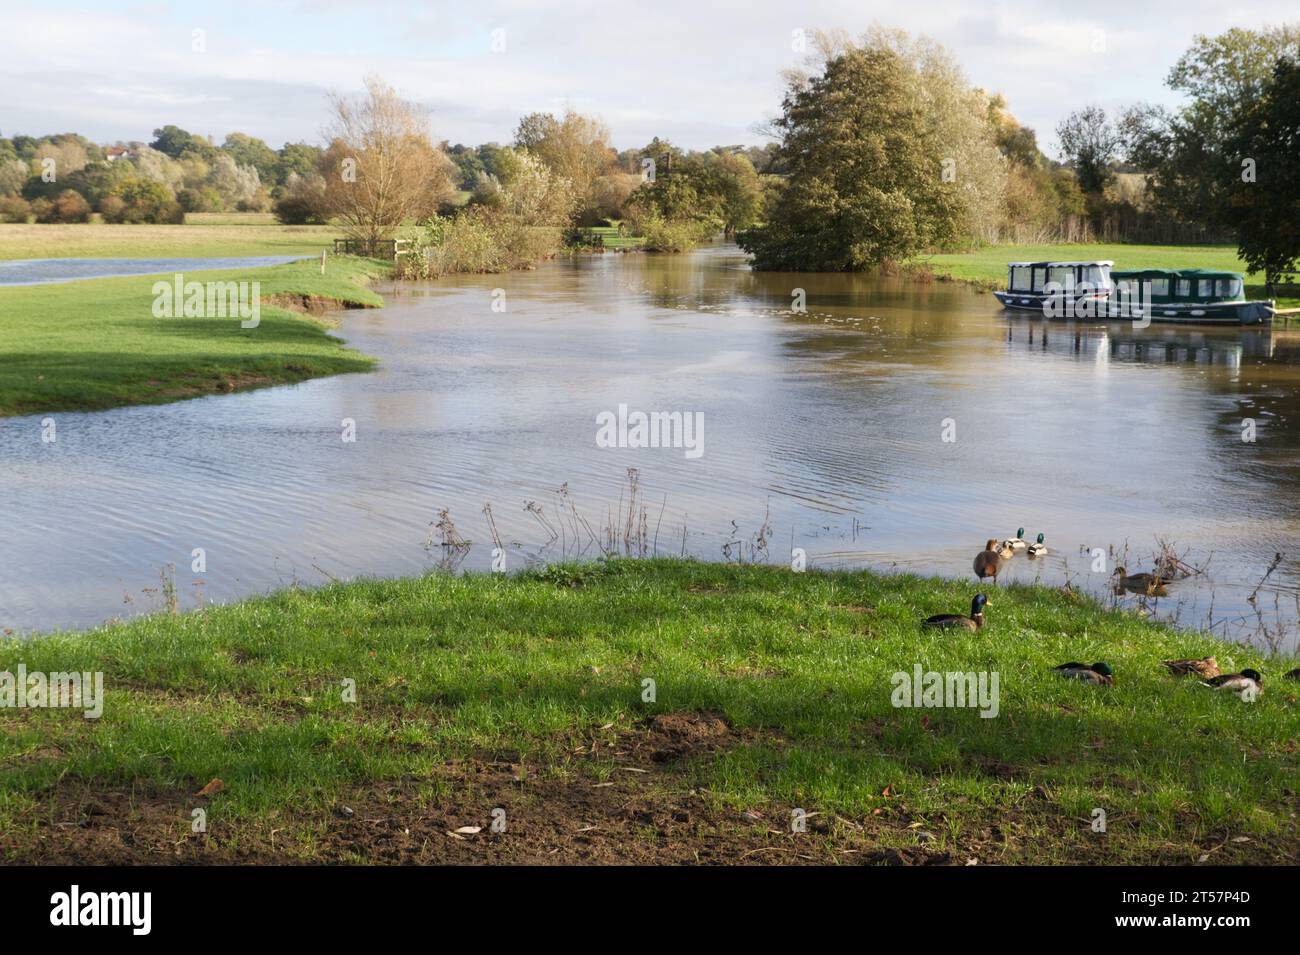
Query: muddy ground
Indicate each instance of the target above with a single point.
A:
(621, 799)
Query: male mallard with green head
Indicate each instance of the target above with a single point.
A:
(1246, 684)
(989, 561)
(1038, 548)
(1205, 668)
(1015, 543)
(946, 621)
(1099, 674)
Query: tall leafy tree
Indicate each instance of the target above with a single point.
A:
(864, 176)
(1090, 141)
(1264, 202)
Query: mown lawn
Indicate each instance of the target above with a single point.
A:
(81, 346)
(987, 266)
(544, 675)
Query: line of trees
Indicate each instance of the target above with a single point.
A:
(66, 177)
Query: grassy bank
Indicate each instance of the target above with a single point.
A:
(82, 346)
(772, 693)
(202, 236)
(987, 267)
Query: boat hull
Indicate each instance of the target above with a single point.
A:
(1181, 313)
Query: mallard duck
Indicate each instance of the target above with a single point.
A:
(1015, 543)
(1038, 548)
(1292, 674)
(1245, 684)
(1099, 673)
(948, 620)
(989, 561)
(1148, 584)
(1208, 667)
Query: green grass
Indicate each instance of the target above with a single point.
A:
(81, 346)
(987, 266)
(446, 666)
(612, 240)
(202, 236)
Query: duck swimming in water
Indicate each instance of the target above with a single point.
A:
(1015, 543)
(1038, 548)
(1148, 584)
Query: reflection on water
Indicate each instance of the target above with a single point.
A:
(828, 423)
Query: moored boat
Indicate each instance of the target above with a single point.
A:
(1042, 286)
(1186, 297)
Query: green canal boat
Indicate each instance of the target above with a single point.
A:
(1186, 297)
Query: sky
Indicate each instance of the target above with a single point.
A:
(698, 73)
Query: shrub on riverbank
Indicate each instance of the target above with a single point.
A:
(771, 690)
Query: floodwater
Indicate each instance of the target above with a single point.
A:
(43, 271)
(894, 425)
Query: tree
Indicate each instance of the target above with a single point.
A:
(864, 172)
(382, 168)
(174, 142)
(1264, 203)
(1089, 140)
(574, 147)
(1185, 153)
(297, 159)
(248, 150)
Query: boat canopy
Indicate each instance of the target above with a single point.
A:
(1182, 285)
(1036, 277)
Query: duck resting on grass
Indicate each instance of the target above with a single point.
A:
(989, 561)
(1015, 543)
(1148, 584)
(1099, 673)
(1205, 668)
(1292, 674)
(1038, 548)
(947, 621)
(1245, 684)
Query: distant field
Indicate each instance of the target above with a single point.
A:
(987, 267)
(205, 235)
(609, 235)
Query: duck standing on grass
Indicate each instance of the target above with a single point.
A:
(947, 621)
(1038, 548)
(1099, 674)
(989, 561)
(1205, 668)
(1245, 684)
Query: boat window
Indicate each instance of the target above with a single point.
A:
(1062, 274)
(1039, 279)
(1184, 288)
(1020, 278)
(1205, 288)
(1160, 287)
(1096, 276)
(1229, 288)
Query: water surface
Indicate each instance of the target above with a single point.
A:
(44, 271)
(829, 425)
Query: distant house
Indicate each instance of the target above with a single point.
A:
(114, 153)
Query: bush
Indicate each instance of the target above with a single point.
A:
(67, 206)
(142, 200)
(478, 240)
(302, 202)
(15, 209)
(112, 208)
(672, 235)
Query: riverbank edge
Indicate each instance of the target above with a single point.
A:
(296, 291)
(528, 691)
